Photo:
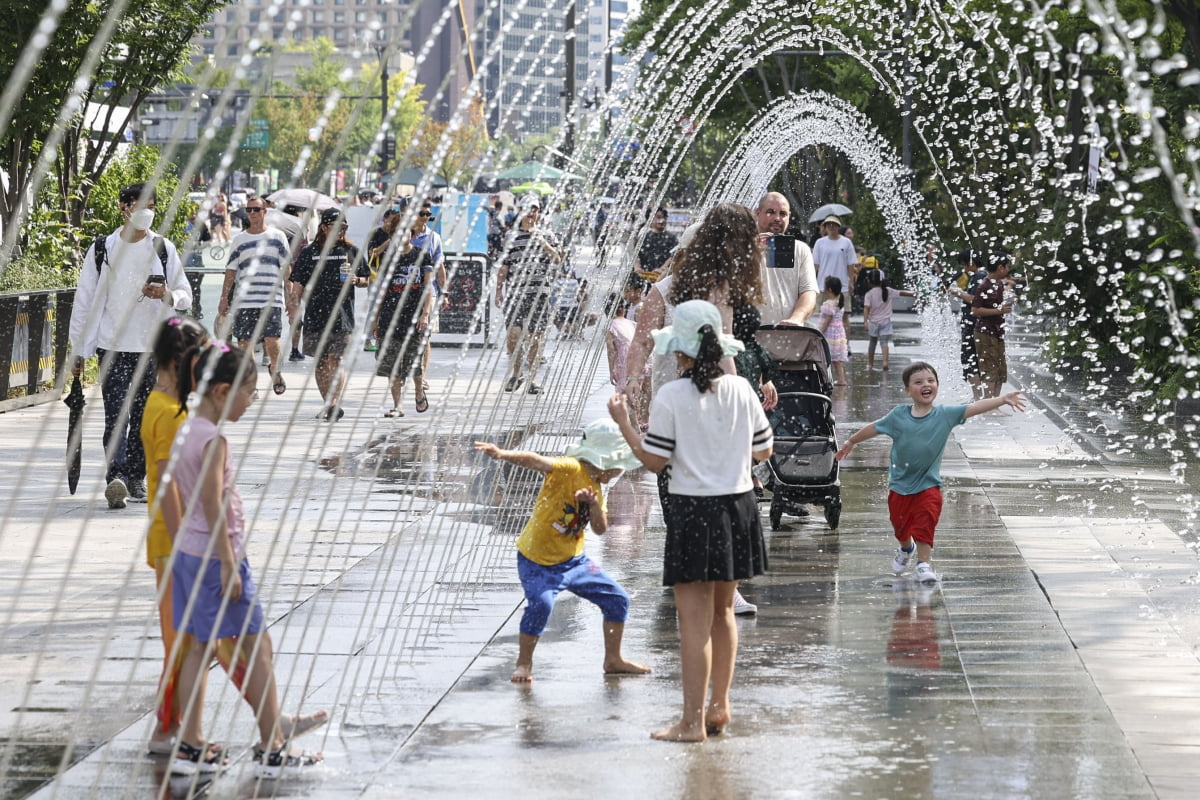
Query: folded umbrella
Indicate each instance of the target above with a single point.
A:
(75, 402)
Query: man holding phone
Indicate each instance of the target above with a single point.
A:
(789, 279)
(130, 282)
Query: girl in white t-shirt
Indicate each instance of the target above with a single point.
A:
(877, 314)
(709, 427)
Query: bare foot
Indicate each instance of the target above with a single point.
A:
(680, 733)
(296, 725)
(624, 667)
(522, 674)
(715, 719)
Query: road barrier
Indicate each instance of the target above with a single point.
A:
(32, 345)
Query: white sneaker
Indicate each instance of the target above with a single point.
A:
(925, 573)
(115, 493)
(741, 607)
(901, 560)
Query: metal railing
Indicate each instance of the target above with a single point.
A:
(33, 345)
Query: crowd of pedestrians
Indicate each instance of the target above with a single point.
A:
(693, 389)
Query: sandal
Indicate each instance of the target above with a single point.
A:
(191, 760)
(272, 765)
(279, 386)
(512, 384)
(395, 412)
(534, 389)
(422, 404)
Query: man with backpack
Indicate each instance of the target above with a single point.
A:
(130, 282)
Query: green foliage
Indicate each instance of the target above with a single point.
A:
(135, 165)
(148, 44)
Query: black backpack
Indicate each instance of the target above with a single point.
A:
(100, 248)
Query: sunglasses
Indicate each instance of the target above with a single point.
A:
(254, 209)
(426, 214)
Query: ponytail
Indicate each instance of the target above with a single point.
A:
(204, 366)
(707, 366)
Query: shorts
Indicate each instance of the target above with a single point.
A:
(246, 320)
(966, 352)
(207, 621)
(880, 330)
(531, 312)
(993, 364)
(566, 316)
(580, 576)
(334, 346)
(915, 515)
(712, 538)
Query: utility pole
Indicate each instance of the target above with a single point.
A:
(568, 144)
(385, 150)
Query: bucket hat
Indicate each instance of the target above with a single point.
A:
(603, 446)
(683, 334)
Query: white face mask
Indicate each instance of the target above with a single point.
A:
(142, 219)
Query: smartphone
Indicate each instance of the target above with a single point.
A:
(156, 280)
(781, 252)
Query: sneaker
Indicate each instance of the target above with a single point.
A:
(137, 492)
(273, 765)
(296, 356)
(742, 607)
(115, 493)
(925, 573)
(901, 560)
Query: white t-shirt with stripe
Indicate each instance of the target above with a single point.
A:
(708, 437)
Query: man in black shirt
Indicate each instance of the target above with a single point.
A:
(657, 246)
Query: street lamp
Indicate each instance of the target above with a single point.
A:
(381, 50)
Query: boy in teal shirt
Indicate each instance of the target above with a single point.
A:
(919, 434)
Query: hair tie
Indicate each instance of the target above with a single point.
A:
(220, 346)
(174, 322)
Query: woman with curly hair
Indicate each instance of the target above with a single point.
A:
(719, 263)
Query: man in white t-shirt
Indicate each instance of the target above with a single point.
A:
(131, 281)
(835, 257)
(790, 289)
(260, 263)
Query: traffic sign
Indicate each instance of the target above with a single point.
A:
(256, 140)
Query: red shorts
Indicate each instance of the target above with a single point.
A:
(916, 515)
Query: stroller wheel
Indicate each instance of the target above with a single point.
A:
(833, 513)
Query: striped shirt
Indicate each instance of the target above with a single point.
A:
(530, 270)
(261, 261)
(708, 437)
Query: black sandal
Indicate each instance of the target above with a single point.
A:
(279, 387)
(272, 765)
(191, 760)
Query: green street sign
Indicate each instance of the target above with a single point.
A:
(256, 140)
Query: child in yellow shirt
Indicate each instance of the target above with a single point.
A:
(550, 555)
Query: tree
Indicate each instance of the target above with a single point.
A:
(147, 46)
(450, 148)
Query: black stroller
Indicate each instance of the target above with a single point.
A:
(802, 470)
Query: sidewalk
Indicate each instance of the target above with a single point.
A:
(1058, 659)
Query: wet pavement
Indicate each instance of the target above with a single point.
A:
(1057, 659)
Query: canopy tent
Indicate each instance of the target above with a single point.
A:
(536, 171)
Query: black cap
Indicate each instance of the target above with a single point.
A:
(330, 216)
